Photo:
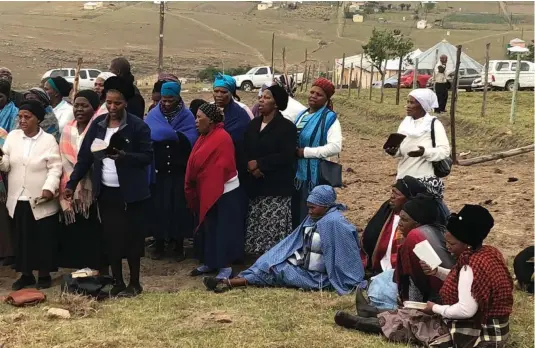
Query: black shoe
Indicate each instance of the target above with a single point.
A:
(44, 282)
(117, 289)
(25, 281)
(364, 309)
(210, 283)
(179, 256)
(131, 291)
(350, 321)
(157, 254)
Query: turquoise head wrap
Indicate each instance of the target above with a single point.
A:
(225, 81)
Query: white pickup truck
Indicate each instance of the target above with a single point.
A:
(257, 76)
(502, 75)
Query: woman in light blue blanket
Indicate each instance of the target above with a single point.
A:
(319, 136)
(322, 253)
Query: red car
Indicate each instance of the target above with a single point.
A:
(407, 78)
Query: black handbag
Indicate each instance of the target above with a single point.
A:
(441, 168)
(330, 173)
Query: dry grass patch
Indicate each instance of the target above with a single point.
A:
(249, 317)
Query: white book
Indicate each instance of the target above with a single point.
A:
(426, 253)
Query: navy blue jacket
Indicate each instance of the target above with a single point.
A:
(132, 168)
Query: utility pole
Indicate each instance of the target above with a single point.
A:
(160, 50)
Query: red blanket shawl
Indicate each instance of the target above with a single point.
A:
(210, 165)
(492, 287)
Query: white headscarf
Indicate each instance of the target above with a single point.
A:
(105, 75)
(426, 97)
(416, 128)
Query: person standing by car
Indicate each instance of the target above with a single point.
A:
(441, 83)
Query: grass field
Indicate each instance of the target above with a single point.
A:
(249, 318)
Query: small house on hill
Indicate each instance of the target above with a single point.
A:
(517, 43)
(421, 24)
(358, 18)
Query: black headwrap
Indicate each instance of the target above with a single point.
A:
(5, 88)
(195, 104)
(121, 85)
(280, 95)
(158, 87)
(91, 96)
(212, 112)
(424, 209)
(410, 187)
(61, 85)
(471, 225)
(123, 69)
(35, 108)
(40, 94)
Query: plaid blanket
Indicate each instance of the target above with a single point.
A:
(69, 145)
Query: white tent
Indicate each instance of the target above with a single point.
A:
(429, 58)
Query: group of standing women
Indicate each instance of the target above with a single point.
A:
(235, 183)
(248, 184)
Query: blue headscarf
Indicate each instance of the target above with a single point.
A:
(171, 89)
(324, 196)
(226, 82)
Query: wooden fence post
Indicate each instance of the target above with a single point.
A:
(341, 82)
(305, 70)
(415, 75)
(273, 57)
(454, 89)
(360, 75)
(371, 83)
(399, 79)
(308, 78)
(349, 83)
(515, 90)
(485, 81)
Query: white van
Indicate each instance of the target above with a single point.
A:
(87, 76)
(502, 74)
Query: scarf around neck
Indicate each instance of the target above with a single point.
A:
(8, 117)
(69, 145)
(211, 164)
(314, 134)
(416, 128)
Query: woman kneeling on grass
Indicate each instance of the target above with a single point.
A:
(477, 294)
(322, 253)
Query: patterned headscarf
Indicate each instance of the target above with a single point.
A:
(40, 94)
(327, 87)
(324, 196)
(434, 186)
(212, 112)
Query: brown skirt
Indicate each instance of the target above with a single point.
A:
(413, 326)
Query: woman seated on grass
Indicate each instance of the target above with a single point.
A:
(419, 221)
(322, 253)
(477, 294)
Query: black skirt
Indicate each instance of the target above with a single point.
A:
(81, 241)
(123, 225)
(6, 233)
(172, 218)
(219, 242)
(36, 240)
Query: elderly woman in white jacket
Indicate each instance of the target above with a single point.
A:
(416, 153)
(31, 159)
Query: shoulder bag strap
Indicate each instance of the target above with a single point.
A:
(433, 132)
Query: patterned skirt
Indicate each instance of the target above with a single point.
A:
(268, 222)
